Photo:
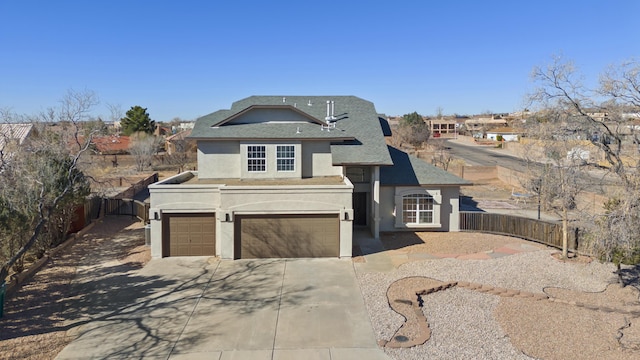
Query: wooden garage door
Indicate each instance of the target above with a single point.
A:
(286, 236)
(189, 235)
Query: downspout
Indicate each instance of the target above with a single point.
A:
(375, 205)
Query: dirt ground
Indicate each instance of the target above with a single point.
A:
(33, 323)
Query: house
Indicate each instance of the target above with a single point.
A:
(481, 124)
(507, 134)
(178, 143)
(111, 144)
(443, 127)
(291, 176)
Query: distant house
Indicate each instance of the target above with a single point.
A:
(179, 143)
(292, 176)
(14, 135)
(507, 134)
(111, 145)
(443, 127)
(483, 124)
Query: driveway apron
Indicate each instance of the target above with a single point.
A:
(192, 308)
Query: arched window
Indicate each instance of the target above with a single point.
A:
(417, 209)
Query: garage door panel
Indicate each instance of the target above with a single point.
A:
(287, 236)
(189, 235)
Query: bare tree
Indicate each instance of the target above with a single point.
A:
(606, 117)
(441, 157)
(562, 178)
(115, 113)
(42, 183)
(180, 153)
(143, 147)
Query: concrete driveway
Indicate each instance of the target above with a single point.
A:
(202, 308)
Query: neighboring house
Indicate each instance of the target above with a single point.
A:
(507, 133)
(111, 144)
(14, 135)
(179, 143)
(480, 124)
(443, 127)
(291, 177)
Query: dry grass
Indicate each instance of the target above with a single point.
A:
(34, 323)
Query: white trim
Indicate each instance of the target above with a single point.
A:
(293, 159)
(402, 192)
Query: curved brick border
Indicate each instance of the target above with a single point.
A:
(405, 296)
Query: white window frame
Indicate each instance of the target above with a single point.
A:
(256, 163)
(435, 198)
(288, 162)
(421, 206)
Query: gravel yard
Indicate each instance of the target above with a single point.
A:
(470, 324)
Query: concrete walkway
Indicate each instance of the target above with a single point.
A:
(202, 308)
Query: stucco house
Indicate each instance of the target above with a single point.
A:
(291, 176)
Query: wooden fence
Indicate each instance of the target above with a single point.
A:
(531, 229)
(131, 207)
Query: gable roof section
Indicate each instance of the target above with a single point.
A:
(255, 107)
(358, 137)
(408, 170)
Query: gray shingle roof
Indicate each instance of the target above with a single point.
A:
(408, 170)
(358, 137)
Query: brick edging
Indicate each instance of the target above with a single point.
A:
(415, 319)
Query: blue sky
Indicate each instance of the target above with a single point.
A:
(190, 58)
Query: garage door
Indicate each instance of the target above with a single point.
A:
(286, 236)
(189, 235)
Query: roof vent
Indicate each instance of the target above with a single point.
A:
(330, 120)
(309, 103)
(284, 99)
(330, 110)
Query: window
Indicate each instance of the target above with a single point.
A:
(286, 158)
(256, 158)
(417, 209)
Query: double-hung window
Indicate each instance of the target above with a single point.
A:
(286, 158)
(417, 209)
(256, 158)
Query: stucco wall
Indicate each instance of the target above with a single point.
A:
(317, 160)
(228, 201)
(219, 159)
(225, 159)
(271, 171)
(449, 207)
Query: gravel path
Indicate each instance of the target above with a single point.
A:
(469, 324)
